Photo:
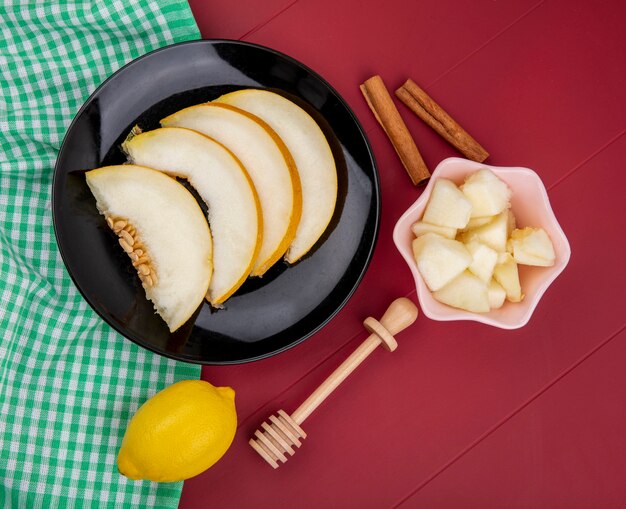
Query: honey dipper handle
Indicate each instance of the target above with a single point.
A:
(399, 315)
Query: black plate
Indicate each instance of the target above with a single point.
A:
(266, 315)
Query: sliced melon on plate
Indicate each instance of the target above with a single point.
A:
(268, 162)
(311, 153)
(162, 228)
(224, 185)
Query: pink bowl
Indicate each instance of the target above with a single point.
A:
(531, 207)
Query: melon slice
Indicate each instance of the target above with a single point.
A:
(268, 162)
(224, 185)
(311, 153)
(163, 230)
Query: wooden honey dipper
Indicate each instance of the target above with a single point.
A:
(276, 439)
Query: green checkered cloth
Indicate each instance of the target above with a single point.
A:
(68, 383)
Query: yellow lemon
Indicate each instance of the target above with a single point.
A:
(179, 432)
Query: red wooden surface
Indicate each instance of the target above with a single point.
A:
(461, 415)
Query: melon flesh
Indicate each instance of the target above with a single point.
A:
(496, 294)
(447, 206)
(312, 156)
(493, 234)
(532, 246)
(421, 228)
(466, 291)
(484, 260)
(507, 275)
(439, 260)
(268, 162)
(223, 184)
(172, 229)
(489, 195)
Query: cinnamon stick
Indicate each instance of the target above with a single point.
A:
(436, 117)
(389, 118)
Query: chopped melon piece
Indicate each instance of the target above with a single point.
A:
(475, 222)
(532, 246)
(439, 260)
(493, 234)
(488, 194)
(496, 294)
(447, 206)
(420, 228)
(511, 223)
(505, 273)
(484, 260)
(467, 292)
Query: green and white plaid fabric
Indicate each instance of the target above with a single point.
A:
(68, 382)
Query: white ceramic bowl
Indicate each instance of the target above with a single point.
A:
(531, 207)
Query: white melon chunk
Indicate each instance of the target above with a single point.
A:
(509, 247)
(532, 246)
(447, 205)
(224, 185)
(488, 194)
(439, 260)
(496, 294)
(467, 292)
(420, 228)
(506, 273)
(511, 223)
(312, 156)
(163, 229)
(475, 222)
(494, 234)
(484, 260)
(268, 162)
